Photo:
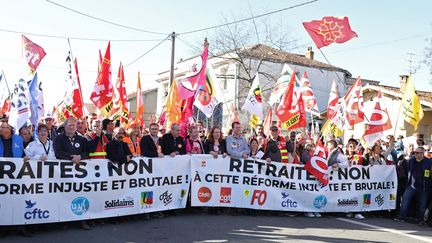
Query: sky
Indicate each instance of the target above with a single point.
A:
(387, 31)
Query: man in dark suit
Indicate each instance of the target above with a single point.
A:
(149, 144)
(172, 143)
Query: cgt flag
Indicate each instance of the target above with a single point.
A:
(317, 165)
(103, 89)
(309, 99)
(33, 53)
(378, 122)
(410, 105)
(253, 102)
(281, 85)
(329, 30)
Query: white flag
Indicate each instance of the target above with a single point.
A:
(281, 85)
(205, 98)
(253, 102)
(20, 107)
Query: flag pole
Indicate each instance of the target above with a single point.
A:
(400, 105)
(340, 79)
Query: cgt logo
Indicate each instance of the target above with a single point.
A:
(225, 195)
(320, 201)
(366, 199)
(260, 196)
(287, 202)
(80, 205)
(34, 213)
(204, 194)
(146, 199)
(379, 200)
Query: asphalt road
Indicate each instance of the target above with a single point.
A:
(241, 228)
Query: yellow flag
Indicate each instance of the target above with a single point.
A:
(410, 105)
(253, 122)
(330, 128)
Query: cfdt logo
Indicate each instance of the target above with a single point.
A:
(33, 212)
(204, 194)
(260, 196)
(146, 199)
(320, 201)
(80, 205)
(225, 195)
(287, 202)
(366, 199)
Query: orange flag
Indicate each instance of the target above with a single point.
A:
(173, 105)
(139, 116)
(103, 90)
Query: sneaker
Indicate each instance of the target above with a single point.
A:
(310, 215)
(84, 225)
(318, 215)
(398, 219)
(349, 215)
(421, 223)
(359, 216)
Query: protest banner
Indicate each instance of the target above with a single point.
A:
(256, 184)
(53, 191)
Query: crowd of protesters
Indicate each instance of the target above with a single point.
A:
(91, 138)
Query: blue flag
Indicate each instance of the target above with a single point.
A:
(34, 101)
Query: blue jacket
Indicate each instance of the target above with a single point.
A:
(426, 179)
(17, 146)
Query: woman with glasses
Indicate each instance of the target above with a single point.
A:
(42, 148)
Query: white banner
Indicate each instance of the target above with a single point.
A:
(226, 182)
(53, 191)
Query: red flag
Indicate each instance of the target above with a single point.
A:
(139, 113)
(378, 122)
(268, 121)
(354, 103)
(162, 118)
(309, 99)
(33, 53)
(333, 100)
(196, 76)
(329, 30)
(285, 105)
(291, 109)
(317, 165)
(103, 90)
(78, 105)
(120, 110)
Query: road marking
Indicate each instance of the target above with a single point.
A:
(386, 229)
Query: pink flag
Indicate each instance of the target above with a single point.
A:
(195, 77)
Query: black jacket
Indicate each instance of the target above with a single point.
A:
(169, 144)
(117, 151)
(148, 147)
(64, 147)
(209, 146)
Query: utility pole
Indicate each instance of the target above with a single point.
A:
(173, 36)
(411, 60)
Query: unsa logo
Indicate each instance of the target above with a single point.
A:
(204, 194)
(320, 201)
(80, 205)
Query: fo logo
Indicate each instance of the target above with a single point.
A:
(225, 195)
(366, 199)
(260, 196)
(204, 194)
(80, 205)
(320, 201)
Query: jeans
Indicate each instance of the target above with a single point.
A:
(422, 202)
